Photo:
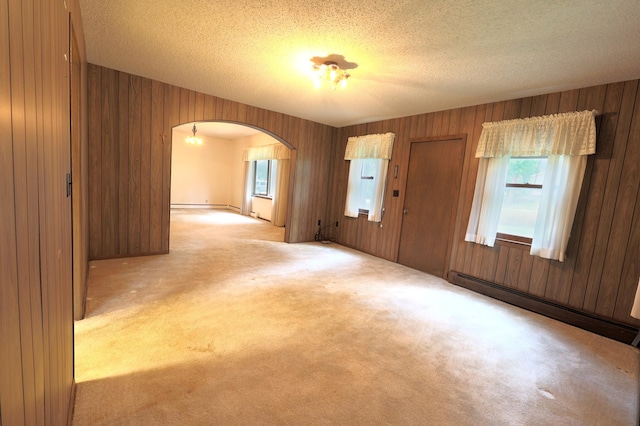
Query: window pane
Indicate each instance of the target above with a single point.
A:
(366, 194)
(368, 168)
(261, 181)
(526, 170)
(519, 211)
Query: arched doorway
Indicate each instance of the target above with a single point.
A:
(213, 173)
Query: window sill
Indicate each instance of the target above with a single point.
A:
(513, 242)
(266, 197)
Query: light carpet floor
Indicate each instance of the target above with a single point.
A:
(236, 327)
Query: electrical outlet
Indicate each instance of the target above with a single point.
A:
(336, 224)
(319, 222)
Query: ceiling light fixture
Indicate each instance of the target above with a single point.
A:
(194, 140)
(331, 73)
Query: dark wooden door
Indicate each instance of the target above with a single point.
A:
(431, 199)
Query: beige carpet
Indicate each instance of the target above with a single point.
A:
(236, 327)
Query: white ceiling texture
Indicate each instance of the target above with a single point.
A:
(405, 57)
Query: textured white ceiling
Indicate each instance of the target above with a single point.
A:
(412, 56)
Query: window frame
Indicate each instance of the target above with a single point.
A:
(511, 238)
(362, 178)
(269, 191)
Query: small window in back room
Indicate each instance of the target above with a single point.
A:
(523, 189)
(263, 182)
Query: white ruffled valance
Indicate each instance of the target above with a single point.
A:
(267, 152)
(370, 146)
(571, 133)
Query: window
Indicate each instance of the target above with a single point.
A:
(565, 139)
(521, 200)
(367, 187)
(369, 157)
(263, 178)
(367, 177)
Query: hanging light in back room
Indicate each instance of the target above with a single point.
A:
(193, 139)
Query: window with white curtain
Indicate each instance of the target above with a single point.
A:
(367, 182)
(267, 175)
(263, 178)
(522, 193)
(369, 161)
(564, 140)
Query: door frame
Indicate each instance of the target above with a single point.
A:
(456, 204)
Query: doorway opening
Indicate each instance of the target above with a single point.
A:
(215, 180)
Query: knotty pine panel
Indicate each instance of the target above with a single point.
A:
(601, 272)
(144, 115)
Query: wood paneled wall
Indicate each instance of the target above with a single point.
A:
(130, 122)
(601, 273)
(36, 311)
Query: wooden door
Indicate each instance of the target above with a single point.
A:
(431, 199)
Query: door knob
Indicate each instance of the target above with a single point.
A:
(405, 211)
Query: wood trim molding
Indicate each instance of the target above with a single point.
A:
(604, 327)
(72, 403)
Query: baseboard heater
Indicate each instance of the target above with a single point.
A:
(604, 327)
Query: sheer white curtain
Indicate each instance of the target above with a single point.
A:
(245, 209)
(379, 180)
(566, 139)
(351, 207)
(281, 155)
(377, 147)
(487, 200)
(560, 193)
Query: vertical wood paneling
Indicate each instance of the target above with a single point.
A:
(622, 219)
(145, 165)
(123, 163)
(146, 112)
(465, 127)
(524, 277)
(36, 304)
(209, 106)
(171, 117)
(601, 271)
(514, 264)
(631, 267)
(11, 383)
(610, 194)
(606, 134)
(109, 158)
(319, 164)
(135, 147)
(199, 107)
(156, 166)
(94, 111)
